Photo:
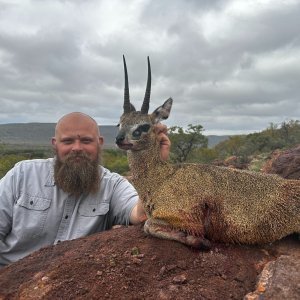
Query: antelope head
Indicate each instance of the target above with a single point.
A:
(136, 126)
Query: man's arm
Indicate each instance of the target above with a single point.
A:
(6, 207)
(6, 204)
(138, 214)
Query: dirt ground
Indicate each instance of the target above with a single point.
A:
(124, 263)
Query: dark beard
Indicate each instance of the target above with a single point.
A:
(77, 177)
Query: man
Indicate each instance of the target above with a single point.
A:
(45, 201)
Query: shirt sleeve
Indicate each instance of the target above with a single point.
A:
(124, 198)
(7, 199)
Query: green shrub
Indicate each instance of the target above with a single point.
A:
(115, 161)
(8, 161)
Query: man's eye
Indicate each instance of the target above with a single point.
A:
(67, 142)
(86, 141)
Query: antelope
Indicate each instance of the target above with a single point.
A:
(197, 204)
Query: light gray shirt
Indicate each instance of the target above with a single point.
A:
(35, 213)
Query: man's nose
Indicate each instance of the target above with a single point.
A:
(77, 146)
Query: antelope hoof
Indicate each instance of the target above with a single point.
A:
(164, 231)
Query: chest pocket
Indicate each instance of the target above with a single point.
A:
(92, 218)
(35, 203)
(30, 215)
(93, 210)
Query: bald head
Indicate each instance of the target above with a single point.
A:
(76, 119)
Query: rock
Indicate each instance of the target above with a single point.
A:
(234, 162)
(280, 279)
(180, 279)
(102, 266)
(284, 163)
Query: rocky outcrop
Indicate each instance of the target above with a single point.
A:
(231, 162)
(284, 163)
(278, 280)
(124, 263)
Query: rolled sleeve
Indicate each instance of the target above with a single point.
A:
(124, 199)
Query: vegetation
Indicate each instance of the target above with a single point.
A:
(191, 145)
(11, 154)
(185, 142)
(274, 137)
(188, 145)
(8, 161)
(115, 161)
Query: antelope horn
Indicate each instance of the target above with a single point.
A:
(145, 106)
(126, 106)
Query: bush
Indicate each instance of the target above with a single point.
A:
(115, 161)
(8, 161)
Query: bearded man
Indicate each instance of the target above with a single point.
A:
(46, 201)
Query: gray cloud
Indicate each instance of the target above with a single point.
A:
(231, 66)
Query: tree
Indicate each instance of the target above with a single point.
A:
(185, 141)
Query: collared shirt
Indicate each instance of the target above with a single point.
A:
(35, 213)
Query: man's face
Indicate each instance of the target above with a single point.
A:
(77, 134)
(77, 145)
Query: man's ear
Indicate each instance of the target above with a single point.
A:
(163, 111)
(53, 142)
(101, 140)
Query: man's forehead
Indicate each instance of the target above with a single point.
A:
(76, 135)
(77, 124)
(75, 118)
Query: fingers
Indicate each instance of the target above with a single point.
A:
(161, 128)
(165, 143)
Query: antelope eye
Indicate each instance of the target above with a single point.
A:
(136, 133)
(144, 128)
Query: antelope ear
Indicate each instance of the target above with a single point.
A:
(163, 111)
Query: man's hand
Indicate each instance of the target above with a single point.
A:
(165, 143)
(138, 214)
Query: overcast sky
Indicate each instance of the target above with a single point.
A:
(231, 66)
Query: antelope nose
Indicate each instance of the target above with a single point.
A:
(119, 139)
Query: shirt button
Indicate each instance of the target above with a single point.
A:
(66, 216)
(31, 202)
(94, 209)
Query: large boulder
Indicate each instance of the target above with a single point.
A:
(284, 163)
(279, 280)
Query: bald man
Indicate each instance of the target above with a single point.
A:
(46, 201)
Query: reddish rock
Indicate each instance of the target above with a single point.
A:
(231, 162)
(124, 263)
(278, 280)
(284, 163)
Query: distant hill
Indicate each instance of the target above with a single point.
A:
(41, 134)
(216, 139)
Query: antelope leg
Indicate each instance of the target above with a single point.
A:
(162, 230)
